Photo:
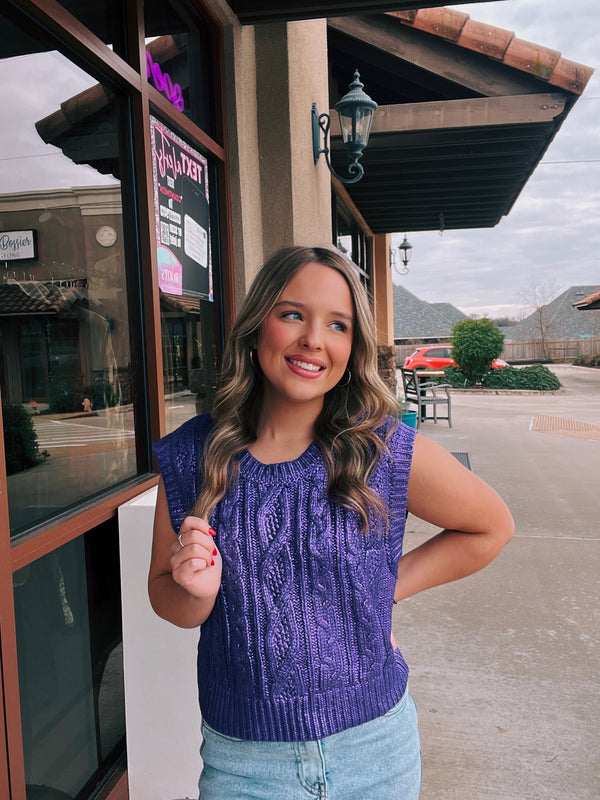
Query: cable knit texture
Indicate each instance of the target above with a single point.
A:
(297, 646)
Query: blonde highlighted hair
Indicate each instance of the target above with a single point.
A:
(346, 427)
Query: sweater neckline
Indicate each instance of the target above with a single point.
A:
(303, 466)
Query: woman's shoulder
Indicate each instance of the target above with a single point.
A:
(191, 433)
(394, 432)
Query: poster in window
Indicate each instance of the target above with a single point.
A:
(181, 203)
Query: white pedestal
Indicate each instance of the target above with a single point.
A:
(161, 695)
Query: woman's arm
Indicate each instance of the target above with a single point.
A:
(476, 522)
(183, 582)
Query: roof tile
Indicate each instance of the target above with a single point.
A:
(532, 58)
(486, 39)
(500, 44)
(444, 22)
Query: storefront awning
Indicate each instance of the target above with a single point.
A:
(466, 113)
(251, 12)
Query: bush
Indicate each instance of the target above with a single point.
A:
(64, 401)
(536, 377)
(475, 344)
(20, 439)
(587, 361)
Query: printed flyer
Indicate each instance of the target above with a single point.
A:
(182, 208)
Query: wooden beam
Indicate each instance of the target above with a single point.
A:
(433, 54)
(480, 112)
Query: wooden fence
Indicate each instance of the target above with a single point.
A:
(559, 350)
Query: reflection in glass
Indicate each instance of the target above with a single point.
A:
(66, 375)
(180, 60)
(67, 612)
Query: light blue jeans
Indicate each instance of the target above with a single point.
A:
(379, 760)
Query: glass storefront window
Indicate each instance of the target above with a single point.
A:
(104, 18)
(189, 278)
(65, 356)
(180, 60)
(68, 622)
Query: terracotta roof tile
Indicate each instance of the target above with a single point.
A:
(500, 44)
(448, 24)
(532, 58)
(486, 39)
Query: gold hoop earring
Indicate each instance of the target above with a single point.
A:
(348, 379)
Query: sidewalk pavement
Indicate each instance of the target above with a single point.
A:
(505, 664)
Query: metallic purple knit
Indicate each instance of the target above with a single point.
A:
(297, 646)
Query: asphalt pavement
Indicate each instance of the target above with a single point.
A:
(505, 664)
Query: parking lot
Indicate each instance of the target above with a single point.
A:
(505, 664)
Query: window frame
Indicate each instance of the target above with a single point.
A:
(86, 50)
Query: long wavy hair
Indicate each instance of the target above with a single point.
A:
(345, 429)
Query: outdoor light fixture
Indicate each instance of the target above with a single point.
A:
(405, 251)
(356, 111)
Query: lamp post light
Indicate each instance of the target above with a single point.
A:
(355, 111)
(405, 252)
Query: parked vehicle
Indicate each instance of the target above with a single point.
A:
(439, 357)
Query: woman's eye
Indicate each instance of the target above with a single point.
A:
(340, 326)
(291, 315)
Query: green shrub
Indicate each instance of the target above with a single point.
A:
(20, 439)
(536, 376)
(64, 401)
(475, 344)
(587, 361)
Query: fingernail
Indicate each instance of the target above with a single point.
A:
(212, 562)
(214, 552)
(212, 532)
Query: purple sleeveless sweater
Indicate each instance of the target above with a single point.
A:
(297, 646)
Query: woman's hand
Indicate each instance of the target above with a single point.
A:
(185, 568)
(195, 561)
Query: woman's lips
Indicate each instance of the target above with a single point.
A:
(306, 367)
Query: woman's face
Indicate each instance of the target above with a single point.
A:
(305, 342)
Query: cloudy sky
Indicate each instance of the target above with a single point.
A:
(552, 234)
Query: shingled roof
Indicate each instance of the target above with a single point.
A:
(417, 319)
(561, 320)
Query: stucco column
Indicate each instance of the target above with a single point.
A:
(384, 309)
(291, 74)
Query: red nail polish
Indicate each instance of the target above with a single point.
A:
(214, 552)
(212, 532)
(212, 562)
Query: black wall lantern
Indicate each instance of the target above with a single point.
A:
(356, 111)
(405, 250)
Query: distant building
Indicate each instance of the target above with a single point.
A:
(417, 320)
(559, 319)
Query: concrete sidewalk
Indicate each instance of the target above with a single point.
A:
(505, 665)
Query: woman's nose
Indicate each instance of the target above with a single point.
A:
(311, 338)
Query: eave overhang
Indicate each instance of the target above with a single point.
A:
(450, 165)
(252, 12)
(589, 303)
(466, 113)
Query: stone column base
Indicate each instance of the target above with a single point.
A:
(386, 366)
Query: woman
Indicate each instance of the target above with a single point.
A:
(278, 529)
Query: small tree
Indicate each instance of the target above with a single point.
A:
(475, 344)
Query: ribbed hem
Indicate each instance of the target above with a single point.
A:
(303, 718)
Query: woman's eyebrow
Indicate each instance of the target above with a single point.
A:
(296, 304)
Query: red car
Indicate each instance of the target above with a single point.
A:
(439, 357)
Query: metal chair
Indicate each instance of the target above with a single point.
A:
(426, 394)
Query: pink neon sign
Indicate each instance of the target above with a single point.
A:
(162, 81)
